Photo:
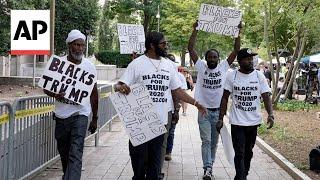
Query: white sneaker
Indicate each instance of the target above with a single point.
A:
(207, 174)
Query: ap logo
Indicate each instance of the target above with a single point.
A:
(30, 32)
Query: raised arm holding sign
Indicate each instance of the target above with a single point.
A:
(211, 78)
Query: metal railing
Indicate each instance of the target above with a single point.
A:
(6, 143)
(34, 143)
(27, 142)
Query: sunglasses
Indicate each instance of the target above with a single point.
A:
(164, 43)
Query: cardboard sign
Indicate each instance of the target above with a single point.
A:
(30, 32)
(219, 20)
(60, 75)
(131, 38)
(138, 115)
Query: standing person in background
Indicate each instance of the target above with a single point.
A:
(267, 74)
(245, 86)
(71, 118)
(190, 85)
(175, 116)
(209, 89)
(160, 77)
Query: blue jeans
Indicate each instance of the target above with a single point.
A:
(209, 137)
(171, 138)
(70, 134)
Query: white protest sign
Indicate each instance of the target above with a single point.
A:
(61, 75)
(30, 32)
(227, 143)
(138, 114)
(219, 20)
(131, 38)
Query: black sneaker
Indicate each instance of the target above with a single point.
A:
(167, 157)
(207, 175)
(161, 176)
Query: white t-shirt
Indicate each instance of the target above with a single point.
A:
(183, 81)
(159, 83)
(67, 108)
(245, 91)
(210, 82)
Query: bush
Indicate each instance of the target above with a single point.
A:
(114, 57)
(294, 105)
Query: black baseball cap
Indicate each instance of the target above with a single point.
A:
(245, 52)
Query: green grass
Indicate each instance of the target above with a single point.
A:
(294, 105)
(277, 133)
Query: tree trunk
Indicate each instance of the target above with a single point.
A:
(147, 19)
(266, 39)
(183, 56)
(294, 71)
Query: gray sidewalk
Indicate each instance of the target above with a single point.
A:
(111, 159)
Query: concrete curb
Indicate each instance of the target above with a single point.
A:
(281, 161)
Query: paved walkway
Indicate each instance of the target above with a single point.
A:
(111, 159)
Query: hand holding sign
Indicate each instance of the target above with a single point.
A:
(122, 88)
(138, 113)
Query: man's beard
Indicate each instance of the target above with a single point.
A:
(77, 56)
(212, 65)
(248, 68)
(161, 52)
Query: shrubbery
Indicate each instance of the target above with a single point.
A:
(114, 58)
(294, 105)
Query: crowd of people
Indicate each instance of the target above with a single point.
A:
(215, 83)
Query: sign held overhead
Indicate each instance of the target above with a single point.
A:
(131, 38)
(219, 20)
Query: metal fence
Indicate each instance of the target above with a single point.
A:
(27, 140)
(6, 115)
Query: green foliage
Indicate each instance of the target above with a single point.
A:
(262, 129)
(5, 27)
(105, 32)
(74, 14)
(277, 132)
(294, 105)
(113, 57)
(178, 18)
(286, 18)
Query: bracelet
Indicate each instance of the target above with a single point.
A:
(195, 102)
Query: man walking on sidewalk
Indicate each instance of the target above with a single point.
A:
(71, 118)
(245, 86)
(209, 89)
(159, 75)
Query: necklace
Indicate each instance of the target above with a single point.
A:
(156, 67)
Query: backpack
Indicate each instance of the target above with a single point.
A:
(314, 159)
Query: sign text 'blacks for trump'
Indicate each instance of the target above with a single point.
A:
(138, 114)
(219, 20)
(61, 75)
(131, 38)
